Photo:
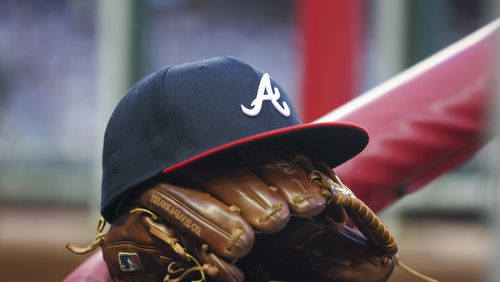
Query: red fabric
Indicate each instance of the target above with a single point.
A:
(93, 269)
(422, 127)
(331, 35)
(262, 136)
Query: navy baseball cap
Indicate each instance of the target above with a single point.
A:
(183, 114)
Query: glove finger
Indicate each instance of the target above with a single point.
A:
(225, 271)
(140, 246)
(214, 267)
(201, 216)
(203, 262)
(318, 169)
(282, 170)
(235, 185)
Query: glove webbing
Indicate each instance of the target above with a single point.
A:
(365, 219)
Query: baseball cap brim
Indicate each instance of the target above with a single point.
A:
(333, 142)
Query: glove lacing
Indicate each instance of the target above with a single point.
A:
(99, 239)
(155, 228)
(364, 218)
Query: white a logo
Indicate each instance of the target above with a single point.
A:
(265, 93)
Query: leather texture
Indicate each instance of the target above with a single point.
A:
(133, 253)
(316, 250)
(201, 216)
(206, 216)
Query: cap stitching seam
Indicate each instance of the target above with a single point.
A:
(167, 112)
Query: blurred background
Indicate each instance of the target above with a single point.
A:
(64, 64)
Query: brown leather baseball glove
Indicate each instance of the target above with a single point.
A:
(200, 224)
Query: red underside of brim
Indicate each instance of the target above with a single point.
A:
(261, 137)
